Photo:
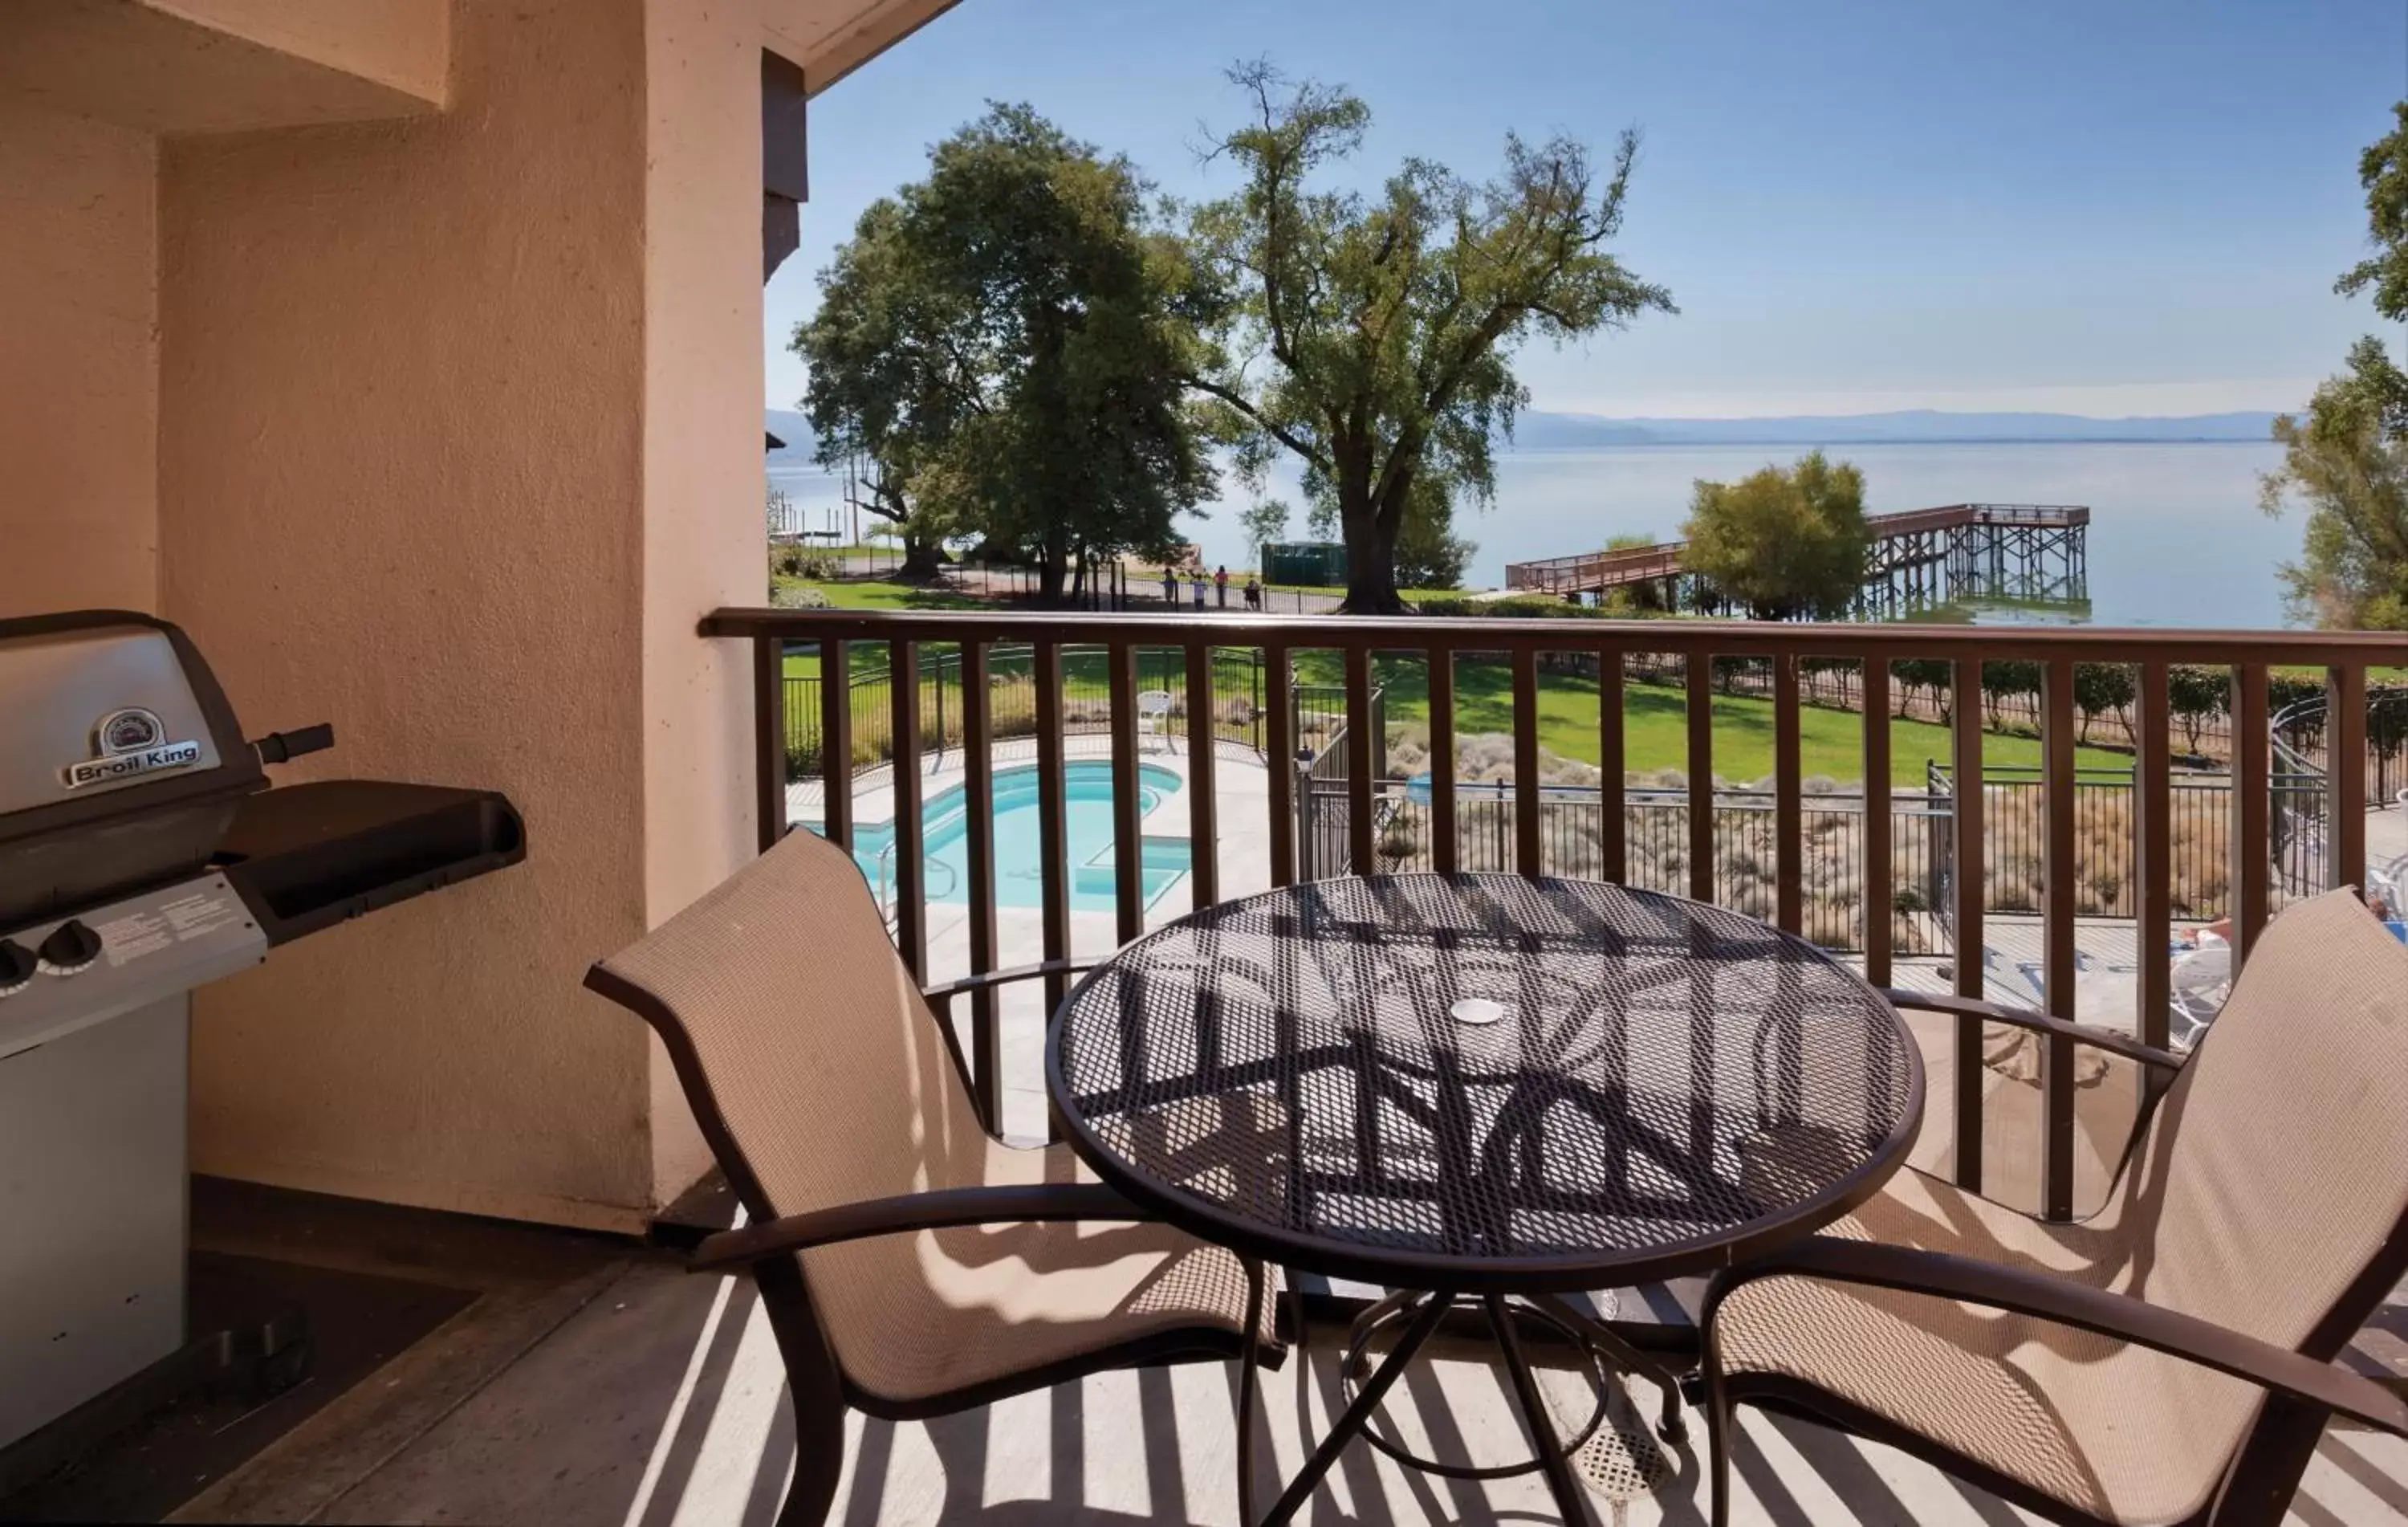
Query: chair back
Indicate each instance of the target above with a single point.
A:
(816, 1070)
(2270, 1193)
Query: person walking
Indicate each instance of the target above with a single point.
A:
(1221, 586)
(1170, 585)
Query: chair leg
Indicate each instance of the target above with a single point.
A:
(819, 1461)
(1720, 1423)
(1247, 1366)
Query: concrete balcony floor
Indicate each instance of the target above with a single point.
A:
(591, 1381)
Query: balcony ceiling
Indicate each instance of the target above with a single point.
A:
(224, 65)
(831, 39)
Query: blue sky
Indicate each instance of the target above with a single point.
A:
(2118, 207)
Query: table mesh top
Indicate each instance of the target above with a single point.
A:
(1655, 1076)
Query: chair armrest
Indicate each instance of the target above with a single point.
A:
(963, 988)
(2024, 1018)
(939, 1209)
(2063, 1301)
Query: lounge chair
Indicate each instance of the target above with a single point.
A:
(910, 1264)
(2171, 1359)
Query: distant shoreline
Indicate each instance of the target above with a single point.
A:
(1805, 443)
(801, 461)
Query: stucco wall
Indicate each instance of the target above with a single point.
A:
(79, 363)
(403, 471)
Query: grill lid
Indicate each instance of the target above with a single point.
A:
(120, 761)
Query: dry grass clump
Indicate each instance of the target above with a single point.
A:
(2199, 834)
(1747, 853)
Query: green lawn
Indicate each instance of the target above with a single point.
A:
(864, 594)
(1656, 723)
(1656, 716)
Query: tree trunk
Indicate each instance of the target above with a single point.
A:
(1370, 567)
(923, 558)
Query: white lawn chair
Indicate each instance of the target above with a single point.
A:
(2202, 980)
(1152, 710)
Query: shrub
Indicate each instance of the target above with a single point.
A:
(2008, 681)
(2099, 688)
(2196, 695)
(1932, 675)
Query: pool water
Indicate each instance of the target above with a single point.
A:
(1088, 822)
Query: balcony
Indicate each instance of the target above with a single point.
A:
(1021, 789)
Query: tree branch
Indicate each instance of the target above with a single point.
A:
(1238, 401)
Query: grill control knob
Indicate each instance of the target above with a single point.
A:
(70, 949)
(17, 965)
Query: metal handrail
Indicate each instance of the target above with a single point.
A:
(886, 903)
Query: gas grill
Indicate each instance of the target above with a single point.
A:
(142, 855)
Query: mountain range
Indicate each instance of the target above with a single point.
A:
(1537, 431)
(1918, 426)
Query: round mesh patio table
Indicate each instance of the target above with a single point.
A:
(1484, 1085)
(1485, 1082)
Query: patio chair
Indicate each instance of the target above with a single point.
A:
(2170, 1358)
(1152, 715)
(910, 1264)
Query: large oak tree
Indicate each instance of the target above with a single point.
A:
(1002, 342)
(1370, 337)
(2347, 457)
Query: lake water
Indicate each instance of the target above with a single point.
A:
(2176, 538)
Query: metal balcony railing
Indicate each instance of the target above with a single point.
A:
(1449, 823)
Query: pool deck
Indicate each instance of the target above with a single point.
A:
(1242, 799)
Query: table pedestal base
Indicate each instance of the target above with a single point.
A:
(1367, 1386)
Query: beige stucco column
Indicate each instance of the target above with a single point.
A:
(461, 437)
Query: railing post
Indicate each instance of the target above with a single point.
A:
(1052, 818)
(2152, 852)
(1530, 856)
(2252, 849)
(1788, 813)
(1128, 840)
(769, 739)
(2345, 777)
(1441, 730)
(910, 854)
(978, 760)
(1970, 876)
(1701, 775)
(2057, 937)
(1203, 747)
(836, 743)
(1880, 893)
(1278, 708)
(1362, 849)
(1613, 826)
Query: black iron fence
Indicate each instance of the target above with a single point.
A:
(1656, 843)
(2199, 834)
(1325, 775)
(1011, 699)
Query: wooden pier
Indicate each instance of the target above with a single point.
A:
(1917, 558)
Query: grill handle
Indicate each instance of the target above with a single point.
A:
(278, 746)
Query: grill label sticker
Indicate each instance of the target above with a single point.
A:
(127, 742)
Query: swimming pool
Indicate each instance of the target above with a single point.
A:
(1087, 821)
